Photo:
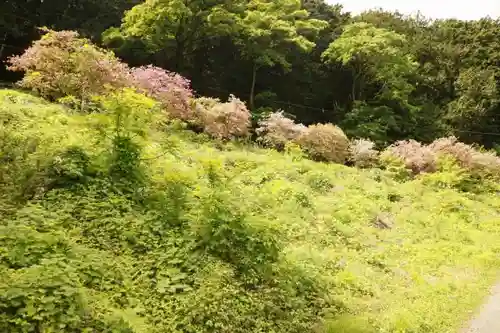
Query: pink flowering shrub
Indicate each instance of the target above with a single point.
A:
(276, 130)
(362, 153)
(223, 120)
(62, 64)
(415, 157)
(475, 161)
(170, 89)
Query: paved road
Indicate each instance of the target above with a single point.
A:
(488, 318)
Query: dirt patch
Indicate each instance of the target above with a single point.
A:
(488, 318)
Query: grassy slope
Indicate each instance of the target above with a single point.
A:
(422, 275)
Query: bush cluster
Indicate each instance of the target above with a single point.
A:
(61, 65)
(470, 166)
(468, 157)
(416, 157)
(171, 89)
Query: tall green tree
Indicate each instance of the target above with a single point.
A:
(380, 89)
(373, 54)
(174, 30)
(268, 30)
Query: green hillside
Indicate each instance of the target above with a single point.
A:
(168, 231)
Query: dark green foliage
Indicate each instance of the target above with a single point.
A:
(125, 165)
(70, 168)
(226, 233)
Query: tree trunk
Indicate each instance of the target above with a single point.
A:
(2, 45)
(180, 43)
(179, 57)
(252, 88)
(353, 87)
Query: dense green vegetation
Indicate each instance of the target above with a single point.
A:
(131, 202)
(134, 225)
(379, 75)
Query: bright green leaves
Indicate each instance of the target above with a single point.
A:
(269, 28)
(156, 21)
(381, 68)
(477, 94)
(374, 54)
(175, 26)
(126, 113)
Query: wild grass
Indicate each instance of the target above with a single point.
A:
(229, 237)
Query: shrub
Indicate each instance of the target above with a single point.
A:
(362, 153)
(70, 167)
(325, 142)
(200, 106)
(125, 112)
(61, 64)
(475, 161)
(171, 89)
(276, 130)
(224, 120)
(415, 157)
(126, 119)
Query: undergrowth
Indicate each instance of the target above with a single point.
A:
(109, 224)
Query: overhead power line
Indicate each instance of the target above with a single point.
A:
(278, 101)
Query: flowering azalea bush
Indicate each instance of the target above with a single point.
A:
(223, 120)
(416, 157)
(276, 130)
(362, 153)
(170, 89)
(62, 64)
(467, 157)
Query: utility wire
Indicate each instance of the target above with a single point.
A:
(12, 46)
(475, 132)
(278, 101)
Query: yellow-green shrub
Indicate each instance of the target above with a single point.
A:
(325, 142)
